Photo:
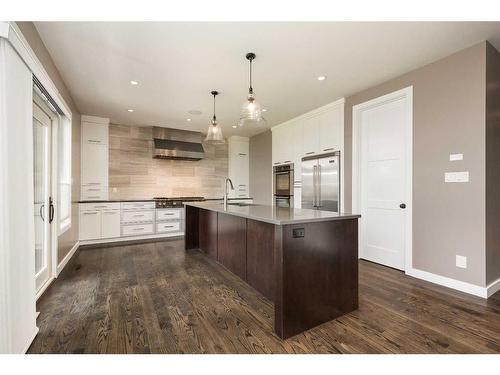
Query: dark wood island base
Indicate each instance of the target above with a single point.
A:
(308, 269)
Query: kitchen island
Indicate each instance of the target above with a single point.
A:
(304, 261)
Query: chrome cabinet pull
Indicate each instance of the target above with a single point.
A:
(310, 153)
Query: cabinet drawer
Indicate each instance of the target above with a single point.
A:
(99, 206)
(138, 206)
(137, 216)
(168, 214)
(94, 192)
(137, 229)
(169, 226)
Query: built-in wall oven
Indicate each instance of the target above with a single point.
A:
(283, 185)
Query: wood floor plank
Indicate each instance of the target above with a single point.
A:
(158, 298)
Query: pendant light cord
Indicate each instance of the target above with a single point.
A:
(214, 118)
(250, 90)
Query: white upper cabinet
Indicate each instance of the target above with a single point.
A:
(239, 166)
(317, 132)
(330, 129)
(94, 164)
(310, 135)
(95, 130)
(94, 158)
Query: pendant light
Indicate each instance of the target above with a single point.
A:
(214, 133)
(251, 112)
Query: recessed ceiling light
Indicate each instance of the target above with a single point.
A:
(130, 110)
(264, 110)
(188, 119)
(132, 82)
(321, 78)
(234, 126)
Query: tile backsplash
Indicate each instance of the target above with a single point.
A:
(134, 174)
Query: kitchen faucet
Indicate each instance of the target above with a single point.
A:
(226, 191)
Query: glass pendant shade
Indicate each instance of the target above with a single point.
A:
(214, 133)
(251, 112)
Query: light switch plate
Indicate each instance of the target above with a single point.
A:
(456, 177)
(461, 261)
(455, 157)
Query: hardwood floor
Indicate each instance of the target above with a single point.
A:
(157, 298)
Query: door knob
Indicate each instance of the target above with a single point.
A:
(402, 205)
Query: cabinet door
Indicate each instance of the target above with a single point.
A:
(208, 232)
(231, 243)
(310, 136)
(260, 257)
(277, 142)
(94, 164)
(90, 225)
(330, 130)
(110, 223)
(93, 133)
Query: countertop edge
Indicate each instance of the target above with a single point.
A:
(269, 220)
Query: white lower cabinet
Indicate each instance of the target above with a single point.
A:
(169, 226)
(110, 223)
(106, 220)
(99, 221)
(138, 216)
(138, 229)
(90, 225)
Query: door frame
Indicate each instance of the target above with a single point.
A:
(357, 110)
(53, 229)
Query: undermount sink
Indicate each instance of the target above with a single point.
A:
(241, 204)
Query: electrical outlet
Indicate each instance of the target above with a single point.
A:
(461, 261)
(115, 190)
(456, 157)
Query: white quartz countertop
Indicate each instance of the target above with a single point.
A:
(272, 214)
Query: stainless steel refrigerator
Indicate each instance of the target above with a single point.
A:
(321, 182)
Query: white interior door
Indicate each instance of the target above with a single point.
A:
(383, 128)
(42, 201)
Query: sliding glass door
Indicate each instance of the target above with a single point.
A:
(43, 208)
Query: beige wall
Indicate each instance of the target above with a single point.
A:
(68, 239)
(134, 174)
(448, 117)
(492, 164)
(260, 168)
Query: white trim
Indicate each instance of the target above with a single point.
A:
(67, 258)
(448, 282)
(492, 288)
(44, 287)
(22, 47)
(95, 119)
(406, 93)
(312, 113)
(131, 238)
(30, 340)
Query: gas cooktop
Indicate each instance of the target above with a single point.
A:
(166, 202)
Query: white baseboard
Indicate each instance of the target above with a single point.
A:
(66, 259)
(30, 340)
(462, 286)
(44, 287)
(493, 288)
(131, 238)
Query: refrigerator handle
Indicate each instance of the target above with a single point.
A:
(315, 168)
(319, 186)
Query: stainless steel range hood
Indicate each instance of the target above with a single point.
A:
(177, 144)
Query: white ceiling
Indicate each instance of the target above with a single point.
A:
(178, 64)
